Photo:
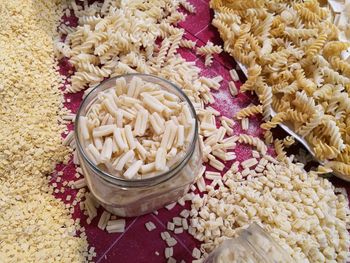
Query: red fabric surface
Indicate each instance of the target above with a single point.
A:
(136, 244)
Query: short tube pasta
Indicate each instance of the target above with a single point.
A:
(140, 129)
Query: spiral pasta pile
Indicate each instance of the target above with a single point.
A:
(295, 67)
(116, 38)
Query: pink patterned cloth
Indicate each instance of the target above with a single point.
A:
(136, 244)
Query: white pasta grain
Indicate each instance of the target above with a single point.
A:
(133, 169)
(185, 213)
(116, 226)
(170, 206)
(170, 226)
(160, 161)
(201, 184)
(150, 226)
(234, 75)
(232, 88)
(168, 252)
(170, 241)
(245, 124)
(216, 164)
(105, 217)
(79, 183)
(107, 149)
(178, 230)
(249, 163)
(165, 235)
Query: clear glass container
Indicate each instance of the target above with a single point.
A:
(125, 197)
(253, 245)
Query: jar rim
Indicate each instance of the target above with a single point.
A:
(154, 180)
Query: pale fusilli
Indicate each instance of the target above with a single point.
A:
(187, 43)
(249, 111)
(253, 141)
(279, 148)
(294, 65)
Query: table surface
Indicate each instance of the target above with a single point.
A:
(137, 244)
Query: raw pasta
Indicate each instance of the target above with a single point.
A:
(208, 50)
(294, 65)
(110, 41)
(249, 111)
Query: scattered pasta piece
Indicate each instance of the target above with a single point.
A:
(187, 43)
(189, 7)
(234, 75)
(116, 226)
(208, 50)
(150, 226)
(170, 206)
(249, 111)
(245, 124)
(232, 88)
(168, 252)
(170, 241)
(105, 217)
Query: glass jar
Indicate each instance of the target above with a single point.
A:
(253, 245)
(125, 197)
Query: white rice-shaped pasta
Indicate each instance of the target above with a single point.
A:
(141, 150)
(130, 137)
(127, 114)
(147, 168)
(114, 146)
(98, 142)
(84, 127)
(90, 156)
(129, 101)
(145, 116)
(107, 149)
(156, 128)
(124, 159)
(110, 106)
(134, 84)
(173, 132)
(117, 135)
(160, 159)
(120, 86)
(166, 135)
(103, 130)
(95, 153)
(190, 130)
(180, 135)
(160, 120)
(187, 114)
(138, 123)
(119, 118)
(152, 103)
(133, 169)
(172, 153)
(154, 124)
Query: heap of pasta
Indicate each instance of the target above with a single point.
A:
(294, 65)
(119, 37)
(116, 38)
